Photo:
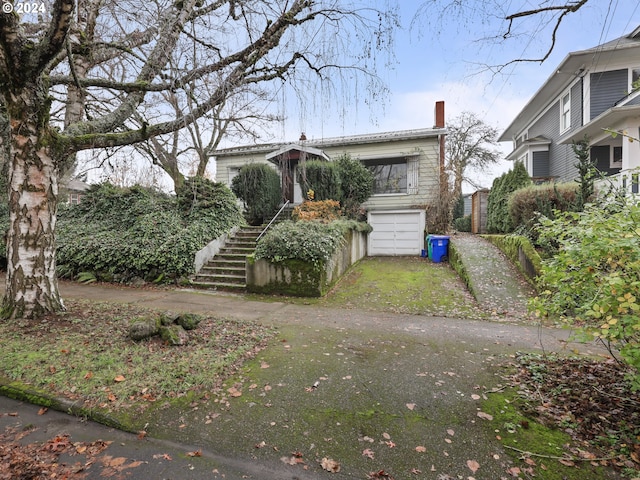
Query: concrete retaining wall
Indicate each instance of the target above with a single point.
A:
(294, 277)
(211, 249)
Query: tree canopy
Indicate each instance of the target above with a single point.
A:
(94, 75)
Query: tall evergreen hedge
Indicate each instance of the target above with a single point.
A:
(258, 186)
(498, 217)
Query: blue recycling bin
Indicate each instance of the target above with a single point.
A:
(438, 247)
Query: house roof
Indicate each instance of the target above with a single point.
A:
(570, 68)
(77, 185)
(300, 148)
(319, 144)
(529, 142)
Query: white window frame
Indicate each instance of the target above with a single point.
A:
(410, 174)
(613, 163)
(565, 111)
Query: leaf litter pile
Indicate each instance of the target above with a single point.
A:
(590, 400)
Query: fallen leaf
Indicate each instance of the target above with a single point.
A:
(330, 465)
(367, 452)
(196, 453)
(421, 449)
(234, 392)
(475, 396)
(141, 434)
(264, 365)
(411, 406)
(473, 465)
(448, 440)
(486, 416)
(386, 436)
(43, 410)
(451, 432)
(119, 378)
(88, 375)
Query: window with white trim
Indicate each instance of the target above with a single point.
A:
(616, 157)
(389, 175)
(565, 112)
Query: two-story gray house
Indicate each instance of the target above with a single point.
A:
(590, 94)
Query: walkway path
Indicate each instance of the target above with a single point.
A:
(493, 280)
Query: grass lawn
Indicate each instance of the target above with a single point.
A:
(411, 285)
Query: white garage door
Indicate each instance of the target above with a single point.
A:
(397, 232)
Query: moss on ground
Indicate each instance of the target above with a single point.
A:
(537, 450)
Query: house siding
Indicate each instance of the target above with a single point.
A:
(607, 88)
(548, 126)
(601, 156)
(423, 168)
(427, 168)
(576, 105)
(540, 164)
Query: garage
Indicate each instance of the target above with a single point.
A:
(397, 232)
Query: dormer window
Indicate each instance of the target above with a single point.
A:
(565, 112)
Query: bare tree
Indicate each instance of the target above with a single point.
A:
(241, 117)
(542, 22)
(240, 43)
(471, 145)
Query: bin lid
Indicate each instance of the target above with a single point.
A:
(439, 237)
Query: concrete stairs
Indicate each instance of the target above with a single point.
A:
(227, 270)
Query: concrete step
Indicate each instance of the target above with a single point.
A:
(223, 286)
(217, 278)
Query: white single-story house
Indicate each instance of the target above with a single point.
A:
(407, 166)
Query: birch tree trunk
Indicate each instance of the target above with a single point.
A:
(32, 287)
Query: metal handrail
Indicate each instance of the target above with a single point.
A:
(272, 220)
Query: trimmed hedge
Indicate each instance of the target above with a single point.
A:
(308, 241)
(526, 204)
(258, 186)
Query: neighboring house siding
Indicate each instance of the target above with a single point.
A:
(635, 101)
(548, 126)
(540, 164)
(607, 88)
(576, 106)
(601, 156)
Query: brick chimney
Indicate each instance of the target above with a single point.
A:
(439, 114)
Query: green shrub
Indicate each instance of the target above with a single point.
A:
(321, 177)
(356, 182)
(312, 242)
(462, 224)
(527, 204)
(119, 234)
(593, 280)
(498, 218)
(258, 186)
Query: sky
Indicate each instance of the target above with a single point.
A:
(443, 59)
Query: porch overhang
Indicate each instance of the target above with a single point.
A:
(527, 145)
(598, 129)
(316, 152)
